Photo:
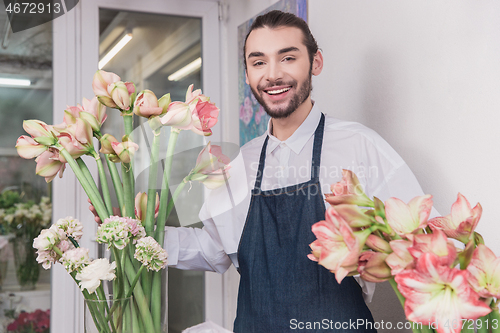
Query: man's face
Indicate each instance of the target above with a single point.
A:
(278, 69)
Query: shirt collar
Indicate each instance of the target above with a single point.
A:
(302, 134)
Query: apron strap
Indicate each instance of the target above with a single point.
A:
(318, 143)
(316, 158)
(262, 159)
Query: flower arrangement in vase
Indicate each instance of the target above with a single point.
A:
(136, 235)
(23, 221)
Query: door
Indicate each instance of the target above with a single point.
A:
(166, 36)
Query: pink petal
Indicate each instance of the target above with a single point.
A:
(28, 148)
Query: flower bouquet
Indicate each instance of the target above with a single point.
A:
(32, 322)
(135, 236)
(442, 288)
(24, 221)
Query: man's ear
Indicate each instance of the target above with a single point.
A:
(246, 77)
(317, 65)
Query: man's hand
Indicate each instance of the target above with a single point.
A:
(116, 212)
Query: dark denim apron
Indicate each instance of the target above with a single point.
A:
(281, 290)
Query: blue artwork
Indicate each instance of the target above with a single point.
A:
(253, 118)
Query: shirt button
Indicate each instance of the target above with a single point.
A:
(282, 145)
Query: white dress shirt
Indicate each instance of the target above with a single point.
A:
(346, 145)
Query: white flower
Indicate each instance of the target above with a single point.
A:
(71, 227)
(90, 276)
(75, 259)
(46, 240)
(150, 254)
(46, 258)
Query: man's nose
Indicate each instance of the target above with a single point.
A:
(274, 72)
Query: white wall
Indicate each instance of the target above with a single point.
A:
(424, 74)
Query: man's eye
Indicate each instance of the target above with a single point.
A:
(288, 58)
(258, 63)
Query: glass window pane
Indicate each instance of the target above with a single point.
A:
(24, 284)
(160, 46)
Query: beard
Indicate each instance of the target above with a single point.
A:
(297, 99)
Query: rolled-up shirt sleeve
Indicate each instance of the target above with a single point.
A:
(196, 249)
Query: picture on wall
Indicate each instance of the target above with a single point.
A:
(253, 118)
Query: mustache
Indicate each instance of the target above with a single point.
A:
(276, 84)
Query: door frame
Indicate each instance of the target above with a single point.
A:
(75, 58)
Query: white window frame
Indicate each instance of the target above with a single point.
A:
(75, 58)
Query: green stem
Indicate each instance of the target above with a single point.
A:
(117, 183)
(401, 298)
(139, 298)
(162, 213)
(96, 200)
(153, 172)
(495, 321)
(104, 306)
(128, 193)
(483, 324)
(160, 230)
(427, 329)
(104, 184)
(147, 279)
(88, 175)
(119, 269)
(136, 320)
(128, 120)
(134, 282)
(156, 310)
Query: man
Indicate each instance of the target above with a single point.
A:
(265, 232)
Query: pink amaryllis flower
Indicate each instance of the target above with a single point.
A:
(72, 146)
(123, 151)
(211, 167)
(81, 134)
(106, 141)
(348, 191)
(93, 112)
(462, 221)
(204, 117)
(28, 148)
(439, 294)
(337, 247)
(377, 244)
(41, 132)
(204, 113)
(484, 269)
(122, 94)
(176, 114)
(400, 259)
(49, 164)
(141, 204)
(373, 268)
(407, 218)
(355, 215)
(436, 243)
(146, 104)
(100, 83)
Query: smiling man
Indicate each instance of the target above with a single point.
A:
(261, 220)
